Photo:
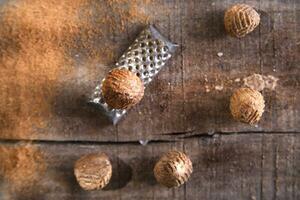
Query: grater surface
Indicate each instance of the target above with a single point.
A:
(145, 57)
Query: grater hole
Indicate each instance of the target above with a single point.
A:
(136, 53)
(135, 46)
(148, 36)
(144, 51)
(151, 58)
(165, 48)
(138, 74)
(129, 61)
(150, 44)
(146, 73)
(159, 56)
(144, 59)
(150, 51)
(152, 71)
(142, 44)
(144, 66)
(129, 54)
(165, 55)
(158, 50)
(101, 101)
(137, 67)
(137, 60)
(159, 63)
(151, 65)
(130, 68)
(157, 42)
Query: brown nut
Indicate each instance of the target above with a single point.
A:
(173, 169)
(122, 89)
(240, 20)
(247, 105)
(93, 171)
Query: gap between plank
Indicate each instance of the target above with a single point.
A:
(180, 138)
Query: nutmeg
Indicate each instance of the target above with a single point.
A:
(93, 171)
(173, 169)
(247, 105)
(240, 20)
(122, 89)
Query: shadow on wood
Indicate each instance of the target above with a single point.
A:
(73, 103)
(212, 26)
(121, 174)
(144, 170)
(211, 107)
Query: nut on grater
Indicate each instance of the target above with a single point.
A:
(145, 57)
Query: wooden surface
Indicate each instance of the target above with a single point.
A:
(177, 101)
(238, 162)
(250, 166)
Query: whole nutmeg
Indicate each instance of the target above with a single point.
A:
(173, 169)
(240, 20)
(247, 105)
(93, 171)
(122, 89)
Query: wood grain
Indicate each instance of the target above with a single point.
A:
(245, 166)
(178, 100)
(185, 108)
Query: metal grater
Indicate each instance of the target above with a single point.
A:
(145, 57)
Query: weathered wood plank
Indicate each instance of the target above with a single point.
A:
(178, 101)
(252, 54)
(245, 166)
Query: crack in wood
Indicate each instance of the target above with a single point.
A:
(15, 141)
(181, 138)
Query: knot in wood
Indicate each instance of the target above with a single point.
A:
(247, 105)
(240, 20)
(122, 89)
(173, 169)
(93, 171)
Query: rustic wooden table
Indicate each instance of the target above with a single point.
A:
(185, 108)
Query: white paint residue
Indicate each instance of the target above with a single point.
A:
(220, 54)
(270, 82)
(261, 82)
(219, 87)
(237, 80)
(207, 88)
(255, 81)
(205, 78)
